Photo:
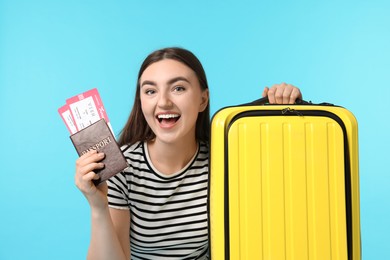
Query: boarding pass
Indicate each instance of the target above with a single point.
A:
(83, 110)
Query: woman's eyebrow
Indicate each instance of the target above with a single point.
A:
(171, 81)
(148, 82)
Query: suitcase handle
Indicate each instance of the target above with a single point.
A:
(264, 100)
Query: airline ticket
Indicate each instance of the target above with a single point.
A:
(83, 110)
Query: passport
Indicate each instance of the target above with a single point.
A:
(98, 136)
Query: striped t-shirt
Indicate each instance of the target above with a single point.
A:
(168, 212)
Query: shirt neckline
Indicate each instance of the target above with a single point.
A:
(163, 175)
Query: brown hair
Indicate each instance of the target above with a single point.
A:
(136, 128)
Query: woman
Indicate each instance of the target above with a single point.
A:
(156, 209)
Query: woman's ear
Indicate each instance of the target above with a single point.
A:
(205, 100)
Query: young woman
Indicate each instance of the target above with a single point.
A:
(156, 209)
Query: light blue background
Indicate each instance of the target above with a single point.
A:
(335, 51)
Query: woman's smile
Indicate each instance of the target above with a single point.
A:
(167, 120)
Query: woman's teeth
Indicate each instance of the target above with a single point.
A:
(167, 117)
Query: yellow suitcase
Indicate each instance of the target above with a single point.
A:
(284, 183)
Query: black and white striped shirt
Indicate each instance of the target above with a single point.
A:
(168, 213)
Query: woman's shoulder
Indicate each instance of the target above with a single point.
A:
(203, 153)
(204, 147)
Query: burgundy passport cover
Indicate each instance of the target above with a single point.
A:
(98, 136)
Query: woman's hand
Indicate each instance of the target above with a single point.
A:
(282, 94)
(85, 166)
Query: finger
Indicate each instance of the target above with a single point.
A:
(295, 94)
(90, 176)
(279, 93)
(89, 157)
(265, 92)
(84, 183)
(88, 154)
(84, 180)
(89, 168)
(287, 93)
(84, 177)
(271, 95)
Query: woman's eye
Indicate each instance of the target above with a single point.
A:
(179, 88)
(150, 92)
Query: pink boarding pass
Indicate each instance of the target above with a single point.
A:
(83, 110)
(86, 109)
(67, 118)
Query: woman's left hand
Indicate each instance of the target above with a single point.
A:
(282, 94)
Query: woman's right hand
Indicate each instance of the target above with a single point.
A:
(85, 166)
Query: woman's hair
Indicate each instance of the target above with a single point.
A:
(136, 128)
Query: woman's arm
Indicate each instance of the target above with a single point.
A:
(109, 227)
(110, 235)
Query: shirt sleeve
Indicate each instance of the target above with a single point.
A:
(118, 192)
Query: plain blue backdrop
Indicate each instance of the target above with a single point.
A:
(335, 51)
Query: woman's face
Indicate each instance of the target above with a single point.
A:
(171, 98)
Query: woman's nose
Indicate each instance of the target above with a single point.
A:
(164, 100)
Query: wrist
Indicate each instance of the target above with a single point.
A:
(100, 212)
